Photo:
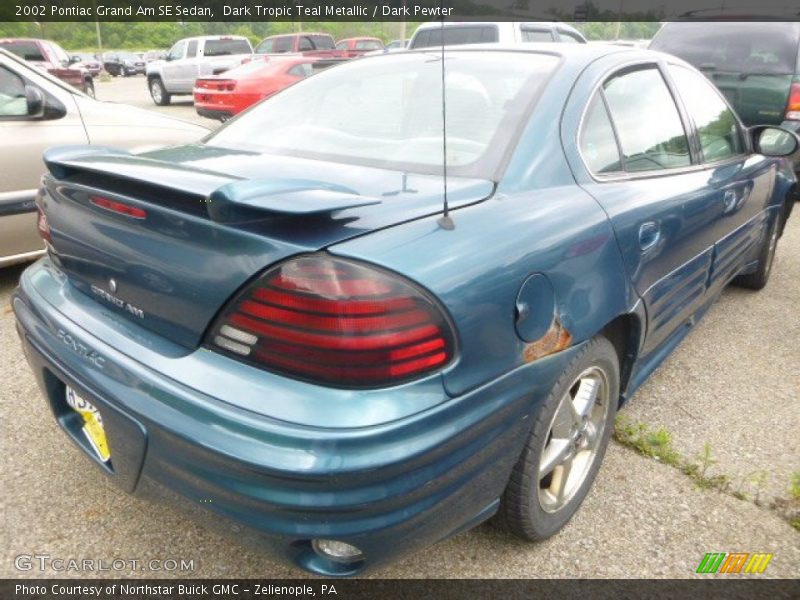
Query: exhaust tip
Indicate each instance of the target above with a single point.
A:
(337, 551)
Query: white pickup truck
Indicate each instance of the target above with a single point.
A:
(191, 58)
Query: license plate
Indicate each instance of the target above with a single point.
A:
(92, 424)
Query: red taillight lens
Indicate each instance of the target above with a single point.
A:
(220, 85)
(333, 321)
(43, 226)
(793, 107)
(118, 207)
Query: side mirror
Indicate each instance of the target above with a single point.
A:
(35, 101)
(774, 141)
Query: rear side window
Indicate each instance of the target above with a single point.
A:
(758, 48)
(321, 42)
(463, 34)
(597, 141)
(226, 47)
(341, 46)
(567, 37)
(281, 45)
(647, 121)
(720, 137)
(536, 35)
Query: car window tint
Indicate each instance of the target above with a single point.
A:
(757, 48)
(25, 50)
(341, 46)
(462, 34)
(567, 37)
(264, 47)
(322, 42)
(647, 121)
(191, 51)
(226, 47)
(176, 52)
(12, 94)
(715, 122)
(305, 44)
(282, 44)
(536, 35)
(597, 141)
(369, 45)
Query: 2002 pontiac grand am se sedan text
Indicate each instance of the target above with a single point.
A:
(278, 323)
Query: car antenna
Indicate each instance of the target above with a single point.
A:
(445, 222)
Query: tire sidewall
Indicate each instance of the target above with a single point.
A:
(598, 352)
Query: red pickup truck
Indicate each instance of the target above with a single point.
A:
(308, 44)
(52, 58)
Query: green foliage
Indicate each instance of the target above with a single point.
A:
(794, 486)
(160, 35)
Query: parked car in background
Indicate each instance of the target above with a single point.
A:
(224, 96)
(358, 46)
(153, 55)
(123, 63)
(191, 58)
(87, 61)
(325, 357)
(50, 57)
(754, 64)
(457, 33)
(38, 111)
(306, 43)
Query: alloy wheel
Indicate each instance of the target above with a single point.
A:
(573, 440)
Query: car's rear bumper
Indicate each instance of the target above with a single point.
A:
(220, 114)
(420, 479)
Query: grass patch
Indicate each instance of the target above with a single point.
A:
(657, 444)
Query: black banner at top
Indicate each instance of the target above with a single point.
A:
(394, 10)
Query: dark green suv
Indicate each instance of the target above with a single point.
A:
(754, 64)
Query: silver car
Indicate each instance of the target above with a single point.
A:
(38, 111)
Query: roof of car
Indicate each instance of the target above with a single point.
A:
(299, 33)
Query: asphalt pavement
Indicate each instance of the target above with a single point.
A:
(733, 384)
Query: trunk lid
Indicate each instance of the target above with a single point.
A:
(166, 238)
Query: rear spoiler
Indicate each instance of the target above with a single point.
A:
(227, 199)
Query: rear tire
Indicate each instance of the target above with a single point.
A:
(158, 92)
(88, 88)
(565, 447)
(757, 280)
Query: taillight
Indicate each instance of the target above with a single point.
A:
(43, 226)
(118, 207)
(220, 85)
(337, 322)
(793, 107)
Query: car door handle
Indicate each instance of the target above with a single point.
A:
(649, 235)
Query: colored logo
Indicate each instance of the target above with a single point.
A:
(734, 562)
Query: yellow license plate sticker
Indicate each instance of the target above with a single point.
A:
(92, 424)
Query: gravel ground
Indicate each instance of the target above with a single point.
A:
(732, 383)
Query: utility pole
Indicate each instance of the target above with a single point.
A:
(99, 37)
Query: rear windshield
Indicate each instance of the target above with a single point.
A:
(226, 47)
(387, 112)
(369, 45)
(25, 50)
(757, 48)
(462, 34)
